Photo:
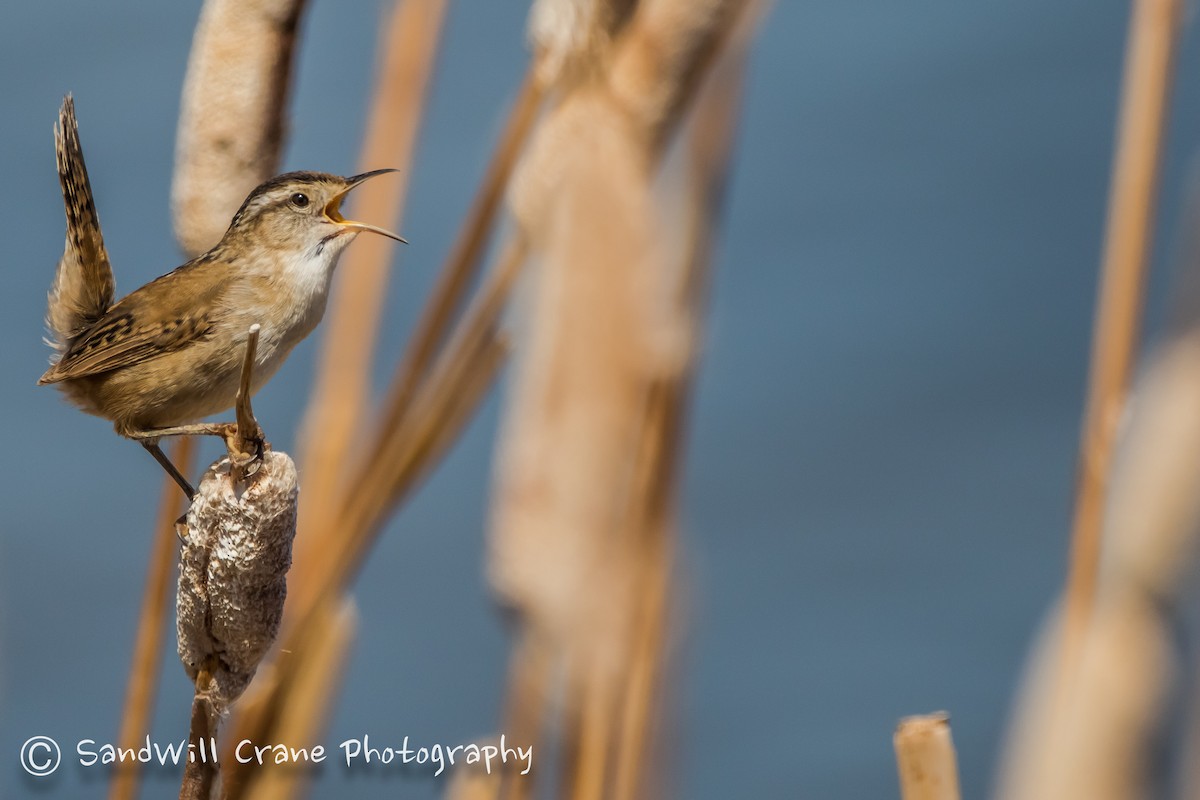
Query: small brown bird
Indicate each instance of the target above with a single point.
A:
(170, 353)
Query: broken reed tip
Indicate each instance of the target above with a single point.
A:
(919, 722)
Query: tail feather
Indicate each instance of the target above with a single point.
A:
(83, 284)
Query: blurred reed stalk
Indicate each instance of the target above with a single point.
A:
(1092, 701)
(582, 539)
(145, 666)
(1099, 735)
(925, 758)
(1145, 101)
(339, 402)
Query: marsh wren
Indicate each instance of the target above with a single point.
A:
(170, 353)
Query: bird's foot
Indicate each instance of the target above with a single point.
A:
(246, 450)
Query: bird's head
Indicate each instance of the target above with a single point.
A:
(301, 212)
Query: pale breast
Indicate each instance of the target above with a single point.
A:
(290, 303)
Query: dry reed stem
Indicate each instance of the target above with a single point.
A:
(590, 721)
(708, 146)
(1145, 96)
(925, 758)
(200, 776)
(642, 703)
(590, 445)
(146, 663)
(231, 113)
(313, 693)
(1092, 737)
(475, 785)
(301, 633)
(461, 266)
(650, 533)
(455, 385)
(577, 376)
(586, 164)
(531, 682)
(339, 400)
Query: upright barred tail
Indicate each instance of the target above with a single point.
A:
(83, 285)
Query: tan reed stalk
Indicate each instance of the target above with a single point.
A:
(581, 543)
(567, 141)
(339, 402)
(1093, 738)
(709, 142)
(441, 406)
(303, 717)
(1145, 100)
(474, 785)
(231, 113)
(531, 684)
(925, 758)
(144, 669)
(200, 776)
(461, 266)
(1096, 735)
(590, 720)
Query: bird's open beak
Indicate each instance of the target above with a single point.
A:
(332, 210)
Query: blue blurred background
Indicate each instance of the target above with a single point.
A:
(880, 466)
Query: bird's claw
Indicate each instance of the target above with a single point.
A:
(181, 528)
(246, 452)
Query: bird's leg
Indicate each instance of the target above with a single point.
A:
(151, 445)
(148, 438)
(235, 441)
(222, 429)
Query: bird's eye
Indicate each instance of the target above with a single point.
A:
(299, 199)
